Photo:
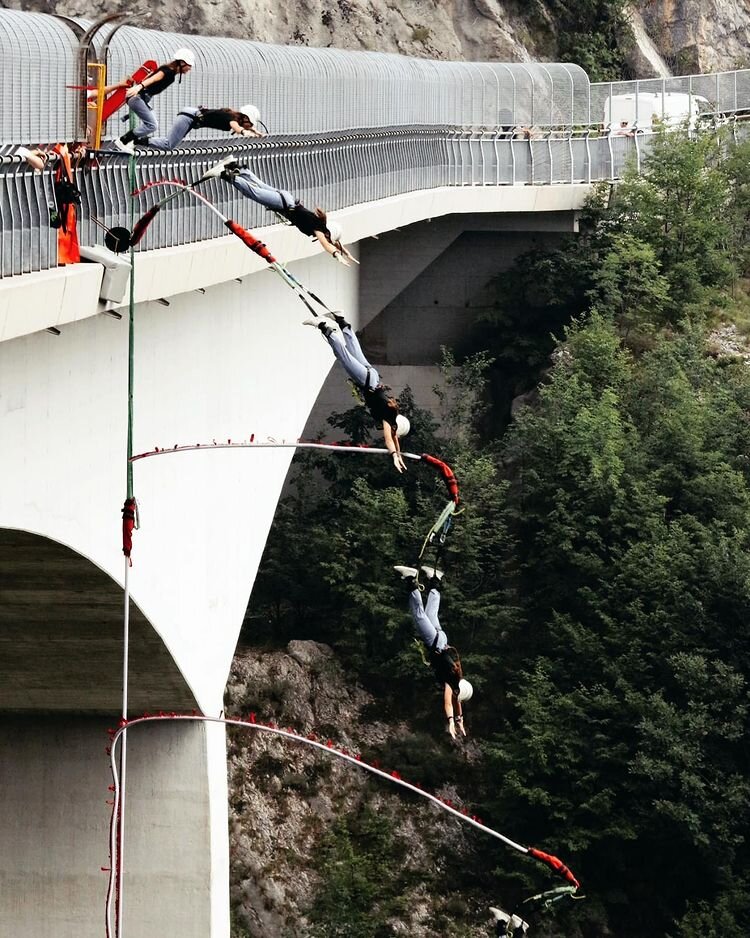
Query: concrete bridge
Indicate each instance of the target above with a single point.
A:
(218, 354)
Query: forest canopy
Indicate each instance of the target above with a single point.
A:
(598, 582)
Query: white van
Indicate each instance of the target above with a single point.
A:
(640, 111)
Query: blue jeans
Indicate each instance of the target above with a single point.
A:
(181, 127)
(148, 124)
(350, 354)
(253, 187)
(426, 619)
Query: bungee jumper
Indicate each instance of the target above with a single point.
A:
(441, 657)
(241, 121)
(382, 405)
(507, 924)
(513, 924)
(314, 224)
(138, 96)
(121, 239)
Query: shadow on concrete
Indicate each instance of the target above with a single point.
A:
(61, 626)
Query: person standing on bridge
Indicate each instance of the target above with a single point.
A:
(139, 95)
(315, 225)
(243, 122)
(382, 406)
(441, 657)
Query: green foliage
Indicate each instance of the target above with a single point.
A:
(630, 285)
(630, 695)
(662, 249)
(594, 34)
(598, 580)
(362, 867)
(680, 207)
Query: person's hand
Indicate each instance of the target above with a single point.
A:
(132, 91)
(35, 158)
(451, 727)
(459, 722)
(338, 256)
(398, 462)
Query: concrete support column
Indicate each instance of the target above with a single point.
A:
(54, 823)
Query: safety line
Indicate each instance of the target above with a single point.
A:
(309, 740)
(287, 734)
(272, 444)
(119, 889)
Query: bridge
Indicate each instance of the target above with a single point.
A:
(424, 155)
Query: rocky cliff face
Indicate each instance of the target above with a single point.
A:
(692, 35)
(285, 800)
(699, 35)
(442, 29)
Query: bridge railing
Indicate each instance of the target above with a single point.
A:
(722, 93)
(329, 170)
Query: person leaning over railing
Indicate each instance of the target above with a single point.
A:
(242, 122)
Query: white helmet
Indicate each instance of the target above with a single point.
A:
(251, 112)
(335, 230)
(402, 425)
(184, 55)
(465, 690)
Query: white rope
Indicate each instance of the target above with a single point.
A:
(297, 738)
(272, 444)
(120, 852)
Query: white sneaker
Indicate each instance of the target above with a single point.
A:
(213, 172)
(407, 573)
(337, 317)
(432, 573)
(123, 147)
(505, 918)
(312, 322)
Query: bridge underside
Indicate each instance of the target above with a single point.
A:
(61, 621)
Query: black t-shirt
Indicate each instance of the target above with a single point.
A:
(158, 86)
(442, 664)
(215, 118)
(376, 401)
(305, 220)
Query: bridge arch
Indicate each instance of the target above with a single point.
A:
(61, 636)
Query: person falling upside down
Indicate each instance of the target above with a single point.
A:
(442, 657)
(315, 225)
(382, 406)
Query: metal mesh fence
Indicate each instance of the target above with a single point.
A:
(332, 170)
(298, 89)
(671, 100)
(347, 127)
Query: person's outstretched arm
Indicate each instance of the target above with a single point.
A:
(335, 253)
(448, 707)
(393, 446)
(241, 131)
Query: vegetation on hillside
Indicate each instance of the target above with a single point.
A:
(594, 34)
(598, 583)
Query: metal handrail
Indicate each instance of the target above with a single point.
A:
(333, 170)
